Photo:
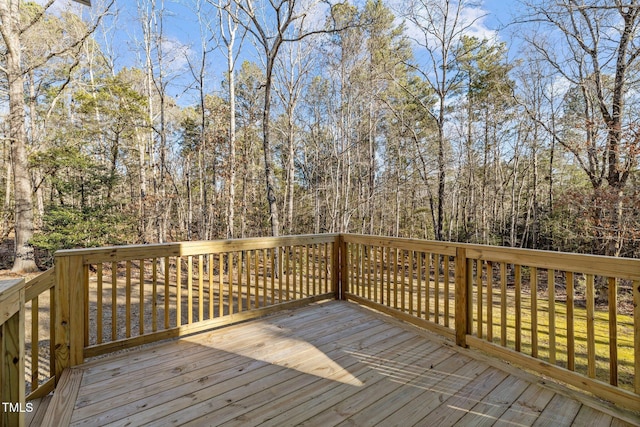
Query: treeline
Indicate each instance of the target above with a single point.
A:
(372, 121)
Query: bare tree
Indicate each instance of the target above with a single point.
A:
(270, 25)
(228, 28)
(595, 46)
(441, 26)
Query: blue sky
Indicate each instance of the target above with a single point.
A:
(181, 30)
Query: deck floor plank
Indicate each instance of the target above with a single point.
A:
(414, 391)
(490, 409)
(289, 390)
(191, 386)
(456, 406)
(589, 416)
(36, 417)
(295, 403)
(327, 364)
(561, 411)
(527, 408)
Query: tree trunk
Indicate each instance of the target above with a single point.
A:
(266, 147)
(232, 143)
(24, 255)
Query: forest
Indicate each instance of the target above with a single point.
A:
(299, 117)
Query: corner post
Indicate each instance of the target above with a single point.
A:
(461, 297)
(344, 268)
(336, 257)
(12, 385)
(71, 274)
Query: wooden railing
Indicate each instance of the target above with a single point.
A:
(519, 305)
(410, 279)
(498, 300)
(40, 298)
(133, 295)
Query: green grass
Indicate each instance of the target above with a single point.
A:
(624, 329)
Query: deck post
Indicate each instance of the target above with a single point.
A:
(461, 297)
(71, 275)
(337, 261)
(12, 385)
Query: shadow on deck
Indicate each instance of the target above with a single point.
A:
(332, 363)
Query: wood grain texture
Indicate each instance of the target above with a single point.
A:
(61, 407)
(333, 363)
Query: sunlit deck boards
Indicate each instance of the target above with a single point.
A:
(327, 364)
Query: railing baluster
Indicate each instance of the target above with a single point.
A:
(427, 285)
(154, 295)
(189, 290)
(221, 285)
(265, 301)
(368, 291)
(35, 342)
(141, 314)
(411, 295)
(83, 291)
(436, 288)
(248, 262)
(503, 304)
(636, 335)
(388, 277)
(127, 308)
(273, 276)
(178, 291)
(166, 291)
(280, 273)
(256, 279)
(591, 339)
(212, 300)
(403, 285)
(308, 272)
(52, 330)
(613, 331)
(551, 290)
(489, 301)
(99, 304)
(232, 305)
(518, 288)
(571, 348)
(114, 303)
(288, 269)
(240, 271)
(200, 289)
(534, 312)
(300, 252)
(446, 290)
(479, 297)
(419, 284)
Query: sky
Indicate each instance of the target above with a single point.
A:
(183, 38)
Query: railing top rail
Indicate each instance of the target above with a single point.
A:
(624, 268)
(444, 248)
(10, 300)
(10, 286)
(157, 250)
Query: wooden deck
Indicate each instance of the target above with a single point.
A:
(334, 363)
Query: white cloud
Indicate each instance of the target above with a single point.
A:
(474, 21)
(471, 21)
(175, 54)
